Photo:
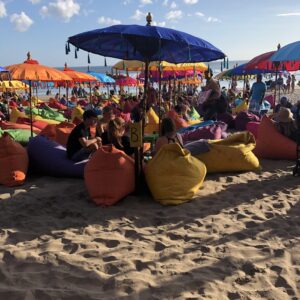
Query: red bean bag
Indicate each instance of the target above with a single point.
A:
(13, 162)
(40, 124)
(179, 122)
(272, 144)
(109, 176)
(253, 128)
(12, 125)
(63, 131)
(53, 103)
(243, 118)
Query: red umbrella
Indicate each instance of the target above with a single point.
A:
(127, 81)
(263, 62)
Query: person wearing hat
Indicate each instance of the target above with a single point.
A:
(285, 123)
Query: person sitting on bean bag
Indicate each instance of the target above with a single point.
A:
(107, 115)
(168, 134)
(80, 143)
(115, 135)
(285, 123)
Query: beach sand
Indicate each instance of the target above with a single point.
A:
(239, 239)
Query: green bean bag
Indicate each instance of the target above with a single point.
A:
(21, 136)
(47, 113)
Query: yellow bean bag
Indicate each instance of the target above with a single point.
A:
(231, 154)
(39, 118)
(77, 114)
(193, 122)
(153, 122)
(173, 175)
(242, 107)
(15, 114)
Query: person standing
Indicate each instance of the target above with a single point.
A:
(293, 81)
(257, 94)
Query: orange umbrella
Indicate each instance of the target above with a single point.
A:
(31, 70)
(79, 76)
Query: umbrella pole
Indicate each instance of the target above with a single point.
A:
(90, 94)
(159, 97)
(244, 84)
(30, 110)
(67, 96)
(276, 74)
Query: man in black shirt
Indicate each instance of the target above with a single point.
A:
(80, 143)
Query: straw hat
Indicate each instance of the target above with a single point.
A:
(284, 115)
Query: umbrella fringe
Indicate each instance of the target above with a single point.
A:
(89, 60)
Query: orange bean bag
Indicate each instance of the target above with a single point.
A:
(109, 176)
(179, 122)
(63, 131)
(49, 132)
(272, 144)
(13, 162)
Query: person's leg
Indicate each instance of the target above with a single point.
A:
(82, 154)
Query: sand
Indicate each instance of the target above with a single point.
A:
(239, 239)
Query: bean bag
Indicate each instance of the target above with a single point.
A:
(194, 114)
(48, 121)
(173, 175)
(179, 122)
(129, 105)
(77, 113)
(109, 176)
(15, 114)
(10, 125)
(21, 136)
(40, 124)
(231, 154)
(272, 144)
(153, 122)
(49, 132)
(253, 128)
(47, 113)
(271, 100)
(53, 103)
(243, 118)
(195, 126)
(63, 131)
(210, 132)
(243, 106)
(50, 158)
(13, 162)
(193, 122)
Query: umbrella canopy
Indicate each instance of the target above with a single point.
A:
(79, 77)
(264, 61)
(146, 43)
(2, 70)
(32, 70)
(127, 81)
(103, 78)
(290, 52)
(136, 65)
(12, 85)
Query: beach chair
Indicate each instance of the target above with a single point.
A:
(296, 169)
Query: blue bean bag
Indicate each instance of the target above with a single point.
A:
(195, 126)
(49, 158)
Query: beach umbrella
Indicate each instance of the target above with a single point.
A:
(31, 70)
(146, 43)
(103, 78)
(288, 53)
(127, 81)
(12, 85)
(3, 70)
(79, 77)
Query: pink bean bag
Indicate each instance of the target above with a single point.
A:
(253, 128)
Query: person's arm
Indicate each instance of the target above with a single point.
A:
(263, 96)
(159, 143)
(87, 143)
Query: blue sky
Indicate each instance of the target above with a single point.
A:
(240, 28)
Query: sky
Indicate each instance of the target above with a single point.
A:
(242, 29)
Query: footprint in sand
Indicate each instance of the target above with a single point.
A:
(175, 237)
(109, 258)
(111, 243)
(282, 282)
(111, 269)
(159, 247)
(71, 248)
(141, 265)
(234, 296)
(130, 234)
(91, 254)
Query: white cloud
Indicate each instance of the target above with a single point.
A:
(190, 1)
(207, 19)
(108, 21)
(161, 24)
(2, 10)
(138, 15)
(289, 14)
(21, 21)
(165, 3)
(213, 20)
(145, 2)
(35, 1)
(173, 5)
(174, 15)
(65, 9)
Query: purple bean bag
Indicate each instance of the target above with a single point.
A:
(210, 132)
(243, 118)
(226, 118)
(49, 158)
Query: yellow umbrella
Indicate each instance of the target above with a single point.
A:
(136, 65)
(12, 85)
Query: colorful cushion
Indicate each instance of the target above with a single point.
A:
(13, 162)
(173, 175)
(153, 122)
(231, 154)
(109, 176)
(243, 118)
(272, 144)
